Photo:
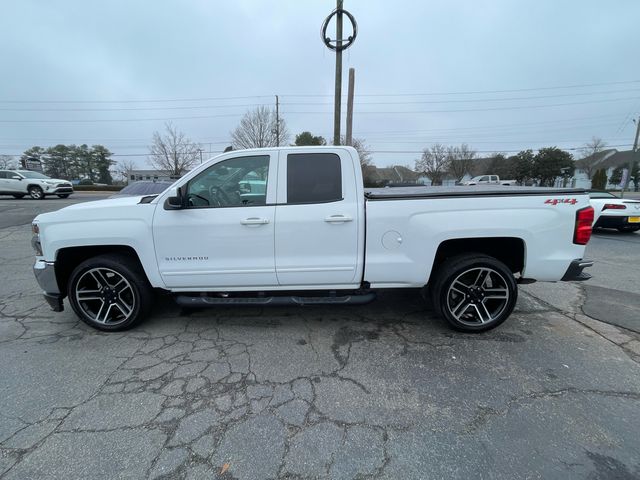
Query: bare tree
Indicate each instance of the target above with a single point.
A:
(7, 162)
(173, 152)
(589, 152)
(460, 160)
(124, 169)
(434, 163)
(260, 128)
(361, 147)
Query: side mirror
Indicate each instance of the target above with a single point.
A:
(175, 200)
(16, 177)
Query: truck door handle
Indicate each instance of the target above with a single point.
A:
(254, 221)
(338, 219)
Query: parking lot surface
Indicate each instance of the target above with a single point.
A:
(380, 391)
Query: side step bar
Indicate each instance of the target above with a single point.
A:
(203, 301)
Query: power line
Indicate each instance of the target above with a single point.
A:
(125, 109)
(584, 85)
(414, 102)
(391, 151)
(246, 105)
(195, 117)
(490, 151)
(203, 99)
(517, 107)
(198, 99)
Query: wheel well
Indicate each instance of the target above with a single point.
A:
(69, 258)
(508, 250)
(34, 185)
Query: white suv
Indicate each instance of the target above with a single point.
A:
(25, 182)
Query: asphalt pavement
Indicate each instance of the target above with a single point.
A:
(379, 391)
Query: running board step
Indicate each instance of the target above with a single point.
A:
(203, 301)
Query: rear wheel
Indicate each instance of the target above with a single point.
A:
(63, 195)
(110, 292)
(18, 195)
(36, 192)
(474, 292)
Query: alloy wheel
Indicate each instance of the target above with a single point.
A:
(478, 296)
(105, 296)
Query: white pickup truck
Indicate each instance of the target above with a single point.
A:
(489, 180)
(295, 226)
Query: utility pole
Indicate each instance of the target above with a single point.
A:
(338, 97)
(200, 152)
(338, 45)
(277, 122)
(352, 80)
(634, 157)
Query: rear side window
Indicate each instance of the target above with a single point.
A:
(313, 178)
(3, 175)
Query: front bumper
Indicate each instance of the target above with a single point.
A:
(66, 190)
(46, 276)
(575, 271)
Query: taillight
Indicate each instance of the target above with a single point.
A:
(613, 206)
(584, 222)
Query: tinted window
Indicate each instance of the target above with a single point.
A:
(236, 182)
(313, 178)
(3, 175)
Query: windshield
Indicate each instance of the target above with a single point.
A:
(29, 174)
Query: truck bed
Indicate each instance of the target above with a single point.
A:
(408, 193)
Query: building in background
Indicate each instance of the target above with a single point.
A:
(157, 175)
(609, 160)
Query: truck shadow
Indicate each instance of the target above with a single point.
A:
(393, 310)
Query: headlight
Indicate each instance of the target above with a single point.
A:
(35, 240)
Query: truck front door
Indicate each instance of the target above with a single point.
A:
(224, 236)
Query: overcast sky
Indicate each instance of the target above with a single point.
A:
(482, 72)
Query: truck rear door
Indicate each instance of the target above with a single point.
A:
(319, 227)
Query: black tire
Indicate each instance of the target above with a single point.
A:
(36, 192)
(126, 306)
(18, 195)
(63, 195)
(491, 299)
(629, 229)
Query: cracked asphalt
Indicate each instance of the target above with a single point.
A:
(380, 391)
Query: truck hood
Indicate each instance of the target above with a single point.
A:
(106, 203)
(111, 208)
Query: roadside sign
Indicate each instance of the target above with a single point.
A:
(32, 163)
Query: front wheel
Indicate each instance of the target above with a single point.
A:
(63, 195)
(110, 292)
(474, 292)
(36, 192)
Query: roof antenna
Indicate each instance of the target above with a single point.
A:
(228, 149)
